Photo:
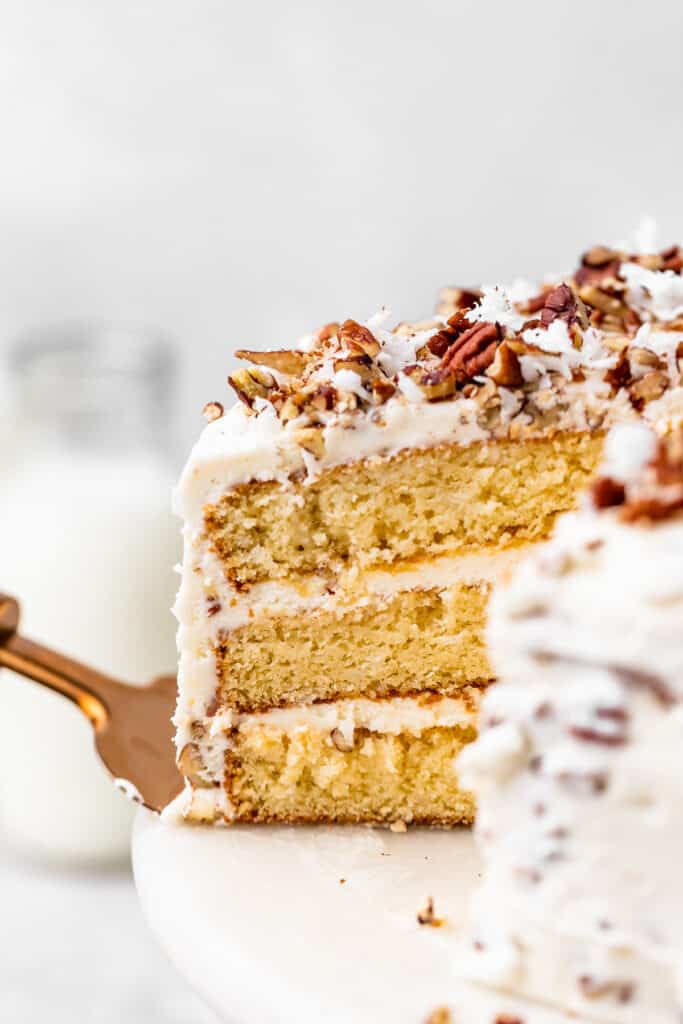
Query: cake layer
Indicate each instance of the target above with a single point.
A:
(393, 758)
(384, 779)
(415, 640)
(417, 503)
(406, 627)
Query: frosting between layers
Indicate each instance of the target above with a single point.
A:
(198, 631)
(392, 715)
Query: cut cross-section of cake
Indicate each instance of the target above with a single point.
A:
(577, 766)
(345, 521)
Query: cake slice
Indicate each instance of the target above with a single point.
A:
(344, 523)
(576, 770)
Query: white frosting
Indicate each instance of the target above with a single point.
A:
(580, 799)
(628, 448)
(653, 293)
(392, 716)
(496, 306)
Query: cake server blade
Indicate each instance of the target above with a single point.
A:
(132, 724)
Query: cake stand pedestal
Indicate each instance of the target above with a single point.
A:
(276, 924)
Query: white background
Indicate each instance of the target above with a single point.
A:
(238, 173)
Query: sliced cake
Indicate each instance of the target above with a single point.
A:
(344, 523)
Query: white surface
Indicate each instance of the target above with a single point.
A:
(74, 949)
(259, 923)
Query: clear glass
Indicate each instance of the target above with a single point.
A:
(87, 543)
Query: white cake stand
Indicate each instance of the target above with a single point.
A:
(261, 924)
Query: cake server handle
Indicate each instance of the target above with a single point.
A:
(133, 724)
(83, 685)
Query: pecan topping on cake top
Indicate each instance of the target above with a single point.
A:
(654, 492)
(515, 360)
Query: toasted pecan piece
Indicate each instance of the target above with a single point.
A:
(505, 369)
(358, 338)
(249, 384)
(473, 351)
(289, 361)
(212, 411)
(435, 384)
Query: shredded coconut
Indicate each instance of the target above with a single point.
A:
(496, 306)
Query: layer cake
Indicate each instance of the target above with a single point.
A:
(346, 519)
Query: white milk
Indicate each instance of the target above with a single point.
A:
(88, 544)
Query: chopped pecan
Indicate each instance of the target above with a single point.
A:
(212, 411)
(382, 390)
(250, 384)
(606, 492)
(358, 338)
(599, 298)
(327, 332)
(340, 741)
(428, 917)
(653, 503)
(311, 439)
(434, 384)
(190, 765)
(644, 357)
(598, 264)
(505, 369)
(323, 398)
(536, 302)
(667, 464)
(451, 299)
(672, 259)
(647, 388)
(289, 361)
(360, 364)
(473, 351)
(589, 735)
(620, 374)
(597, 988)
(443, 339)
(562, 304)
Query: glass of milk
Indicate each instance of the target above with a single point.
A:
(87, 544)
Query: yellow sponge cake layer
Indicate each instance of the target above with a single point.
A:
(418, 503)
(414, 640)
(271, 776)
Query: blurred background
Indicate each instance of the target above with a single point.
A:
(182, 177)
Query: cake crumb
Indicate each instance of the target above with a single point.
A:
(398, 826)
(428, 917)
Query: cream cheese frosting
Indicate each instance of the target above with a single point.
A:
(575, 771)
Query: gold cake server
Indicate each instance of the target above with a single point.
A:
(133, 730)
